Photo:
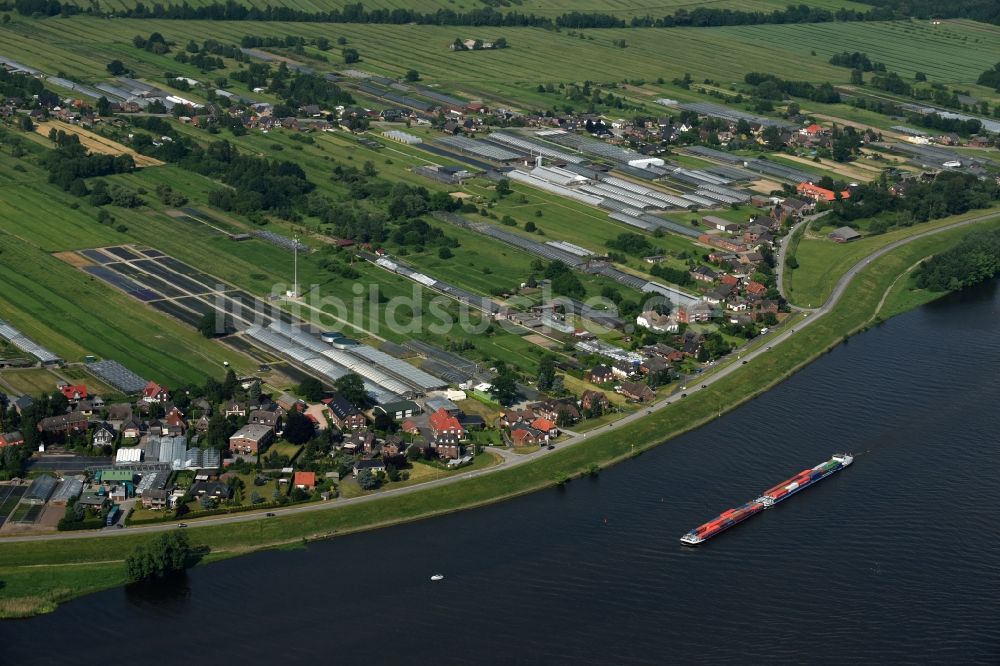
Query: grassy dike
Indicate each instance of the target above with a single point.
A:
(36, 576)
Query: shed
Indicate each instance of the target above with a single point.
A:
(844, 235)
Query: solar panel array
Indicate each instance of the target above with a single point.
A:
(118, 376)
(26, 344)
(281, 241)
(482, 148)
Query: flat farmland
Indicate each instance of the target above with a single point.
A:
(622, 8)
(953, 52)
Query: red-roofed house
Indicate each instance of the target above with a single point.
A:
(546, 426)
(305, 480)
(154, 393)
(410, 427)
(756, 288)
(817, 193)
(443, 423)
(729, 280)
(74, 392)
(13, 438)
(523, 435)
(812, 130)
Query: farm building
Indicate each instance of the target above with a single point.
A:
(844, 235)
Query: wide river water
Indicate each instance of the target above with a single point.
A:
(894, 560)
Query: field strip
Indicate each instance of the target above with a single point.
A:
(95, 142)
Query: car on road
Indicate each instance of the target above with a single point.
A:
(182, 525)
(684, 395)
(550, 447)
(744, 362)
(271, 515)
(704, 386)
(768, 349)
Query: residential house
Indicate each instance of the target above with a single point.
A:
(654, 365)
(304, 480)
(267, 417)
(251, 439)
(665, 352)
(659, 323)
(344, 414)
(718, 295)
(156, 499)
(393, 446)
(201, 425)
(638, 391)
(447, 446)
(444, 424)
(217, 490)
(154, 393)
(545, 426)
(601, 374)
(288, 402)
(132, 429)
(563, 409)
(64, 424)
(361, 441)
(591, 400)
(525, 435)
(817, 193)
(119, 414)
(624, 369)
(104, 435)
(202, 405)
(705, 274)
(755, 290)
(12, 438)
(410, 427)
(73, 392)
(512, 417)
(373, 466)
(234, 408)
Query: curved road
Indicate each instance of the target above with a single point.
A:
(513, 459)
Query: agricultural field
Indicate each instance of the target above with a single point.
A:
(624, 9)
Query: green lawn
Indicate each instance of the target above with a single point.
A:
(822, 262)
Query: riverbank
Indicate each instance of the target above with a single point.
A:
(36, 576)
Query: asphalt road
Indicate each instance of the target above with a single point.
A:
(513, 459)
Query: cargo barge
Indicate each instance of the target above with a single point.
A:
(779, 493)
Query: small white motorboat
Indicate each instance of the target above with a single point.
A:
(437, 577)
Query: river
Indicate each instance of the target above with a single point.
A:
(896, 559)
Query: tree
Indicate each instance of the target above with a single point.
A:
(207, 325)
(384, 422)
(351, 56)
(530, 226)
(546, 373)
(352, 388)
(298, 428)
(219, 430)
(103, 106)
(24, 123)
(116, 67)
(311, 388)
(168, 552)
(503, 187)
(412, 76)
(366, 480)
(504, 388)
(445, 253)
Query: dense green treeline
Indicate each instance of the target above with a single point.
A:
(975, 259)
